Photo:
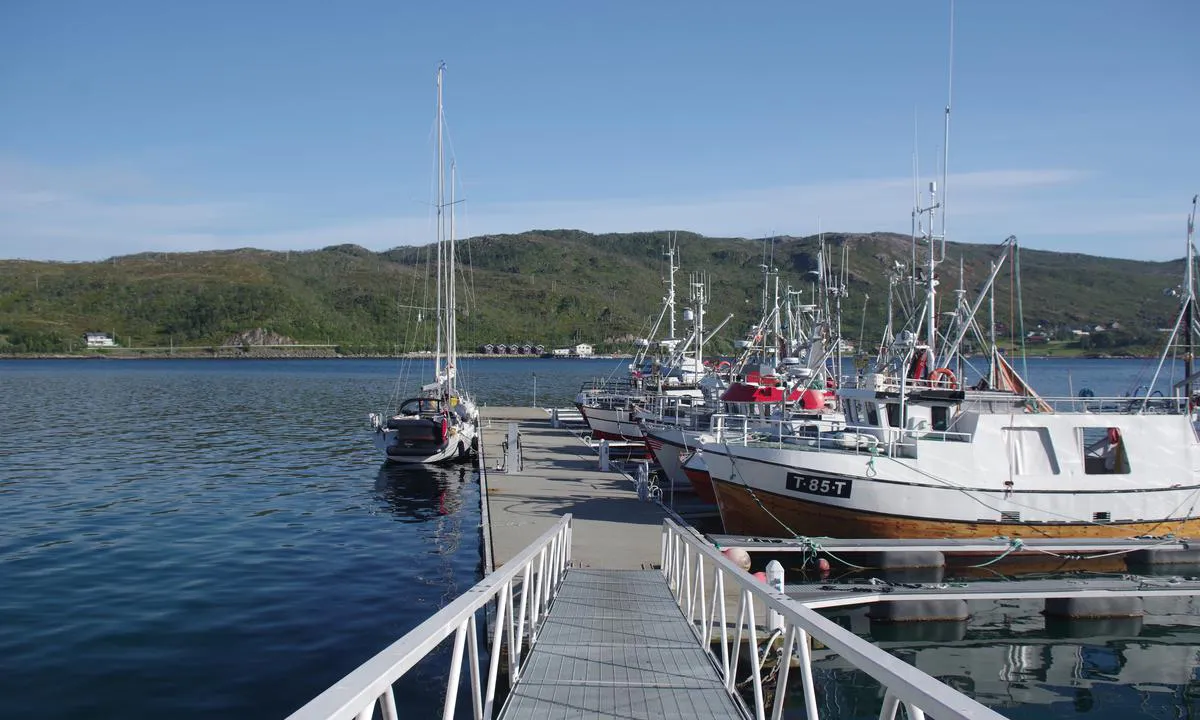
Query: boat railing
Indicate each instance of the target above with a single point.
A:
(606, 386)
(1153, 405)
(699, 576)
(857, 439)
(521, 589)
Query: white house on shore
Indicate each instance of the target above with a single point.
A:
(580, 350)
(98, 340)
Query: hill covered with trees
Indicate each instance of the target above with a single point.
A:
(551, 287)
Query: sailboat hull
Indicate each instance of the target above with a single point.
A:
(458, 446)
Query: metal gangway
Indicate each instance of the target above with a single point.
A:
(581, 642)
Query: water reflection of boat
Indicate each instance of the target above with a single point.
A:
(1040, 667)
(419, 493)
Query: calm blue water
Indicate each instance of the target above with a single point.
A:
(218, 538)
(207, 537)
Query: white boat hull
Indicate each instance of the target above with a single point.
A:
(670, 446)
(985, 487)
(612, 423)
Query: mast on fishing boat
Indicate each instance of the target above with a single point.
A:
(672, 266)
(1186, 321)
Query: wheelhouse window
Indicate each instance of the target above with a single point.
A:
(893, 415)
(1104, 451)
(940, 419)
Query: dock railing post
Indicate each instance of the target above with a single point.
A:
(554, 418)
(603, 455)
(512, 450)
(643, 481)
(775, 580)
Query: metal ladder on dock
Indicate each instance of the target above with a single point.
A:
(615, 643)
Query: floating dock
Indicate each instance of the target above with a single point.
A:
(559, 474)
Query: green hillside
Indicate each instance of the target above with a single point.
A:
(549, 287)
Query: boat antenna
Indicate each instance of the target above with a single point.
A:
(916, 217)
(946, 127)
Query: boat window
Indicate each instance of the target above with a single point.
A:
(873, 414)
(940, 418)
(1103, 450)
(893, 415)
(1030, 451)
(419, 406)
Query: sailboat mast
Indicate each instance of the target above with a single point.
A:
(441, 229)
(1190, 290)
(451, 298)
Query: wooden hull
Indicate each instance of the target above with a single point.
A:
(743, 513)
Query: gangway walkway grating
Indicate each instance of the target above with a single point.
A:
(615, 643)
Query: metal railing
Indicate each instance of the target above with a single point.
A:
(688, 563)
(1154, 405)
(845, 438)
(539, 569)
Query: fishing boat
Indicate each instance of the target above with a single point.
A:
(440, 423)
(778, 379)
(669, 370)
(925, 454)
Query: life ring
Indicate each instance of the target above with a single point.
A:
(1114, 436)
(939, 373)
(724, 365)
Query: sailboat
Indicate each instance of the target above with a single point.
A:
(440, 423)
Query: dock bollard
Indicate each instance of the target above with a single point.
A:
(554, 418)
(775, 580)
(643, 481)
(603, 456)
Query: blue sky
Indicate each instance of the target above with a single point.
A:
(132, 126)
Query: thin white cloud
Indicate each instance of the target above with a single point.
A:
(93, 213)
